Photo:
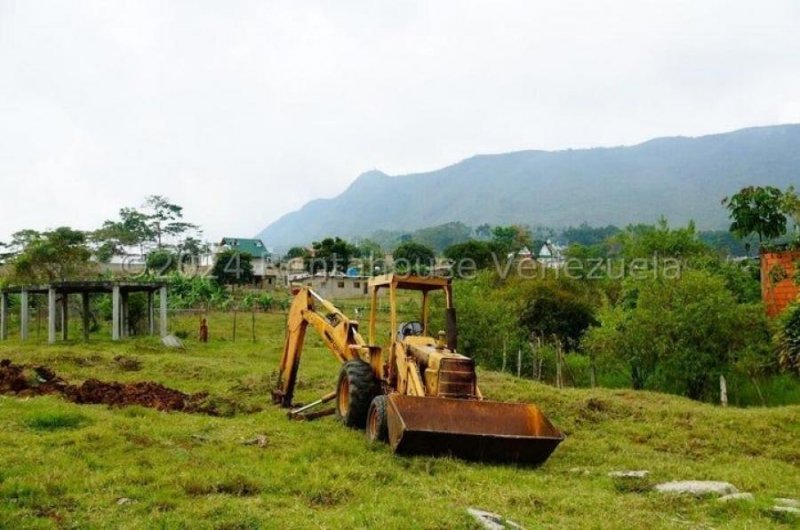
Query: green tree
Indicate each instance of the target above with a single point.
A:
(131, 230)
(60, 254)
(232, 268)
(413, 257)
(483, 231)
(488, 321)
(678, 335)
(791, 207)
(371, 257)
(161, 262)
(367, 248)
(297, 252)
(647, 241)
(152, 226)
(165, 219)
(554, 310)
(758, 210)
(479, 252)
(331, 255)
(511, 238)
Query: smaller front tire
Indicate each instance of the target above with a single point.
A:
(377, 426)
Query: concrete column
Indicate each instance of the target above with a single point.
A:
(3, 316)
(151, 313)
(115, 303)
(51, 315)
(162, 296)
(85, 304)
(64, 316)
(24, 314)
(124, 320)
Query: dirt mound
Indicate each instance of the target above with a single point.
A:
(146, 394)
(38, 380)
(29, 381)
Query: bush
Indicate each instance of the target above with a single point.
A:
(679, 335)
(413, 257)
(191, 292)
(161, 262)
(552, 310)
(788, 339)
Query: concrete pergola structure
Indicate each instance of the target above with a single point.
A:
(120, 291)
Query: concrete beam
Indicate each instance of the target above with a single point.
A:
(115, 310)
(51, 316)
(24, 314)
(162, 296)
(3, 316)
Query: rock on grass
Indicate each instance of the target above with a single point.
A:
(697, 488)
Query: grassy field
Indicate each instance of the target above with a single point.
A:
(89, 466)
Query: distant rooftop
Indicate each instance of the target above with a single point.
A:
(253, 247)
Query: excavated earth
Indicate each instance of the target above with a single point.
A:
(24, 380)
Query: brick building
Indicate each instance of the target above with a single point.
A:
(778, 286)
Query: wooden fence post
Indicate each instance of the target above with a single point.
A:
(234, 322)
(723, 391)
(559, 374)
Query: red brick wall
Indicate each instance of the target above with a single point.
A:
(778, 295)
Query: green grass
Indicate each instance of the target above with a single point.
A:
(68, 466)
(50, 420)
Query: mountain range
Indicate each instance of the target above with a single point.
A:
(681, 178)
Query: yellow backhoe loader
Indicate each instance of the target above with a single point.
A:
(421, 396)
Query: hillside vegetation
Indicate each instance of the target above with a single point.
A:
(90, 466)
(680, 178)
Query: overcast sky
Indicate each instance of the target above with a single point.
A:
(243, 111)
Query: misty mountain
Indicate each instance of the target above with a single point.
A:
(678, 177)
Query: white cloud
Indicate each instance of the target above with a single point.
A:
(242, 111)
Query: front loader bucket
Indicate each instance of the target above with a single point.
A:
(470, 429)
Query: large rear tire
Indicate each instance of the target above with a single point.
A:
(377, 426)
(354, 392)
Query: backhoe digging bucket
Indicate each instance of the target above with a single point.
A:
(470, 429)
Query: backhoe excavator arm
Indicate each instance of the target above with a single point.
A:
(339, 333)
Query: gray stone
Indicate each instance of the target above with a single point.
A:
(791, 503)
(736, 497)
(492, 521)
(697, 487)
(171, 341)
(786, 510)
(629, 474)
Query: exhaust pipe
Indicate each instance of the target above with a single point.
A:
(470, 429)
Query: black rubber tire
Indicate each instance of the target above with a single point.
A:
(360, 385)
(377, 426)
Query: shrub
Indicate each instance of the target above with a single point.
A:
(788, 339)
(678, 335)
